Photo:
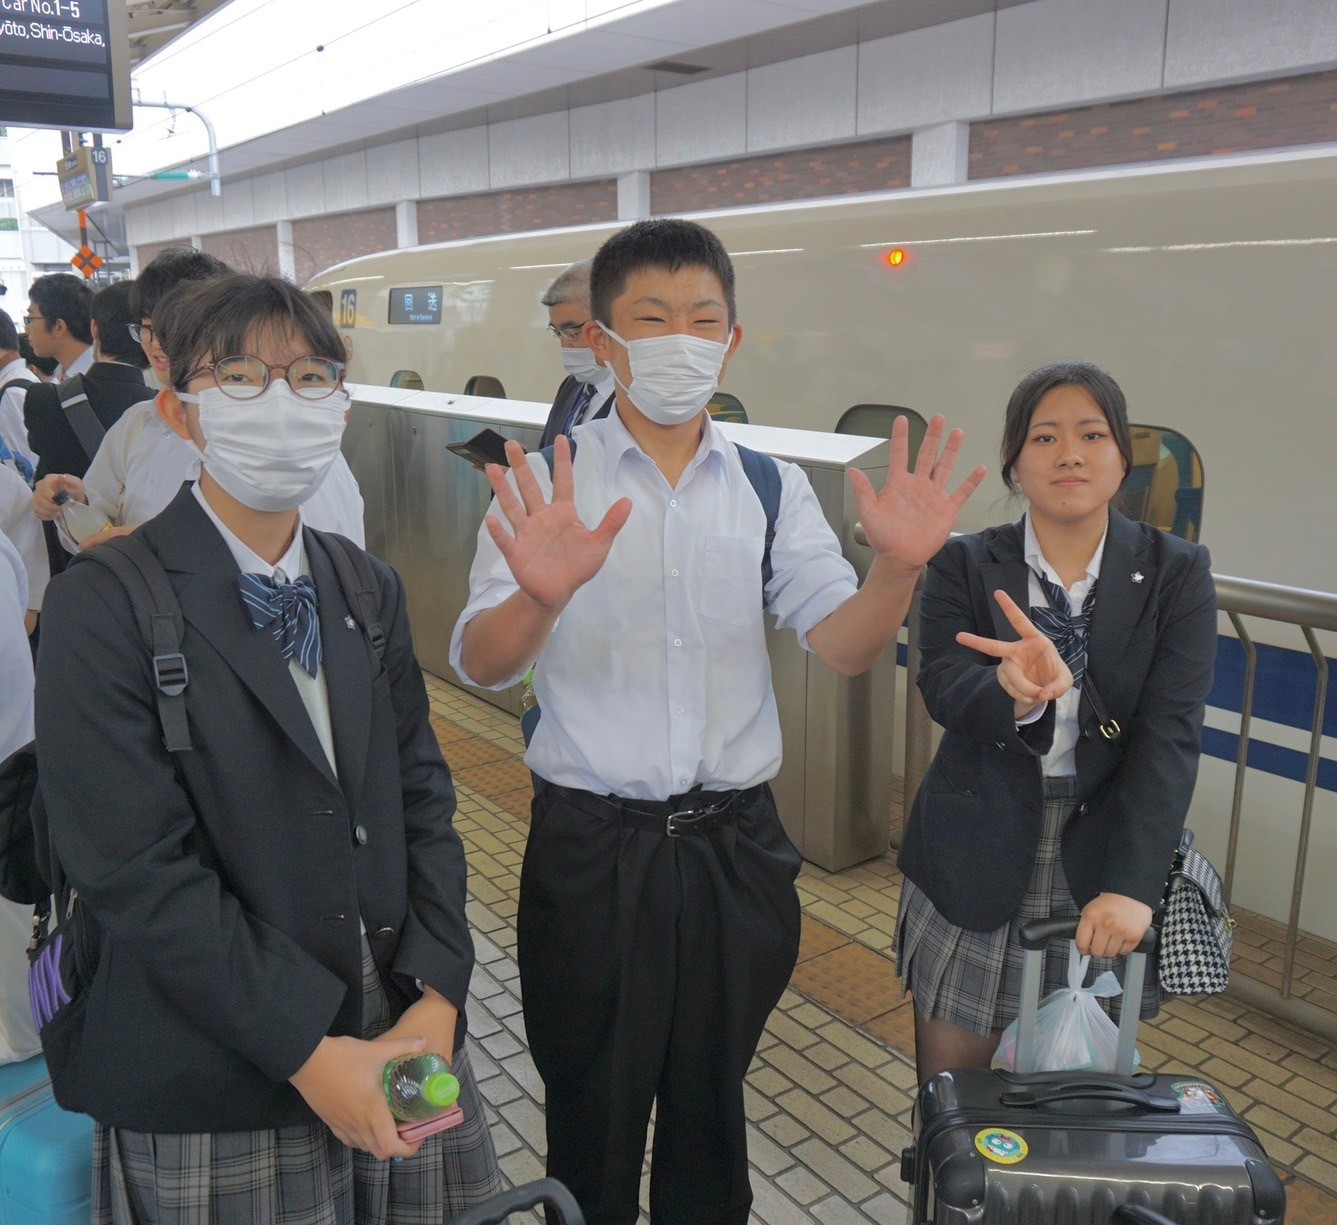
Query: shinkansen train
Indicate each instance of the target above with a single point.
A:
(1208, 289)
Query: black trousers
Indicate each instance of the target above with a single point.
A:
(648, 966)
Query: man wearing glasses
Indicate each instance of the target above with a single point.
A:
(586, 394)
(58, 322)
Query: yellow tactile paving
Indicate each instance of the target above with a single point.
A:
(1283, 1080)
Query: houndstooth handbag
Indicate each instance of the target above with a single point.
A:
(1197, 932)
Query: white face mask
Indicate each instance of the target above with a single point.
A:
(270, 453)
(581, 365)
(672, 377)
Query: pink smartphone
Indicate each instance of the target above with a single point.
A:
(429, 1127)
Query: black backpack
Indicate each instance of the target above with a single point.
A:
(30, 878)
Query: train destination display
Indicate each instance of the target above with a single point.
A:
(64, 64)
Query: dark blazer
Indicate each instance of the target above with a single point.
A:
(561, 409)
(111, 387)
(230, 881)
(975, 824)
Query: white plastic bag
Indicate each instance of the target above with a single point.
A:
(1072, 1032)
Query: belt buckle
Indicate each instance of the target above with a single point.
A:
(672, 829)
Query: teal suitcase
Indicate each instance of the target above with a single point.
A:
(46, 1153)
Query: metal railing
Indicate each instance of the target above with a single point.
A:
(1237, 598)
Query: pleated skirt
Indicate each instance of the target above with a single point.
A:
(973, 979)
(296, 1175)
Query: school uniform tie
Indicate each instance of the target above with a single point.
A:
(1057, 622)
(289, 611)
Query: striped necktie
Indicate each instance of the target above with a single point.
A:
(583, 398)
(1067, 632)
(289, 609)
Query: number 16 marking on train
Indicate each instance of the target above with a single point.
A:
(348, 308)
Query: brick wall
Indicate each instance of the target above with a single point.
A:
(1228, 119)
(838, 170)
(512, 212)
(255, 250)
(321, 242)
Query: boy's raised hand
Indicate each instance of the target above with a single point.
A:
(552, 553)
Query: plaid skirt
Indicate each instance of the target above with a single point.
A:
(973, 979)
(296, 1175)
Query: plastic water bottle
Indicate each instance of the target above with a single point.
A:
(419, 1087)
(80, 519)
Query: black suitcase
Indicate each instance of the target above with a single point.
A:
(546, 1192)
(1070, 1148)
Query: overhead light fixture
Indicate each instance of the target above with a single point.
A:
(678, 67)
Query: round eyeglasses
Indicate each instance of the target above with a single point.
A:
(568, 331)
(141, 333)
(244, 378)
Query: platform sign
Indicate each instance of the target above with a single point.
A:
(65, 64)
(85, 175)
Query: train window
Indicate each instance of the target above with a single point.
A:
(485, 385)
(876, 420)
(407, 378)
(724, 407)
(418, 304)
(1165, 484)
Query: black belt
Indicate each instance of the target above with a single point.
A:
(695, 812)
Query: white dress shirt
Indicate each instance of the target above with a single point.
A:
(142, 464)
(656, 678)
(79, 365)
(24, 531)
(315, 697)
(18, 1038)
(12, 426)
(1062, 756)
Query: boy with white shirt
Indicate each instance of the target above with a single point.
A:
(658, 920)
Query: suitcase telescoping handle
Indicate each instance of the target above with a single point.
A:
(1035, 936)
(519, 1199)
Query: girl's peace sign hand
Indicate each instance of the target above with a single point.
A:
(1030, 670)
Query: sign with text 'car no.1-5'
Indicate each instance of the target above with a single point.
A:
(65, 64)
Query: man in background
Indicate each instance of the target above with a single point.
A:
(586, 394)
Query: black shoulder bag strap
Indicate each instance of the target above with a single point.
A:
(357, 580)
(159, 618)
(1109, 729)
(79, 412)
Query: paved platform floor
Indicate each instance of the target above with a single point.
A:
(830, 1091)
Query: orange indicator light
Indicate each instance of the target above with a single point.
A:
(896, 257)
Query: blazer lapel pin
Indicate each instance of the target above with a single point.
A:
(1137, 576)
(352, 625)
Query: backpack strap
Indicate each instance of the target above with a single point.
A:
(357, 581)
(763, 474)
(79, 412)
(158, 616)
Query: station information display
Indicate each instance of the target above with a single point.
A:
(65, 64)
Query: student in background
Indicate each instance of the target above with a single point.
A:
(66, 424)
(58, 322)
(283, 906)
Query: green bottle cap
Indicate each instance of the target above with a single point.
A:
(441, 1089)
